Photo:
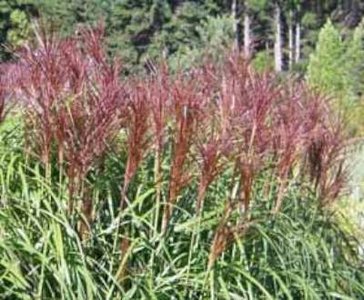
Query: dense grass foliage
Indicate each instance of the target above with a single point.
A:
(300, 253)
(214, 183)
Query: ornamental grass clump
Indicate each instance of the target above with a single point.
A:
(72, 100)
(274, 127)
(214, 168)
(213, 119)
(188, 100)
(136, 126)
(159, 97)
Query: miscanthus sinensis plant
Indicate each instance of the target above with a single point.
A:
(215, 182)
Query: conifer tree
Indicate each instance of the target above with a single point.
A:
(132, 26)
(326, 67)
(354, 79)
(354, 62)
(182, 31)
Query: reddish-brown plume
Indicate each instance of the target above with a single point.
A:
(276, 128)
(188, 98)
(137, 125)
(72, 100)
(3, 98)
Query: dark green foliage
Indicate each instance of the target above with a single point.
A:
(65, 16)
(151, 29)
(154, 29)
(130, 30)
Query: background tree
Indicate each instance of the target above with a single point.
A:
(139, 30)
(354, 80)
(182, 33)
(325, 70)
(354, 63)
(278, 55)
(15, 18)
(130, 30)
(215, 37)
(20, 28)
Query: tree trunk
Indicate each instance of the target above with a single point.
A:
(247, 40)
(278, 39)
(298, 42)
(235, 24)
(290, 40)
